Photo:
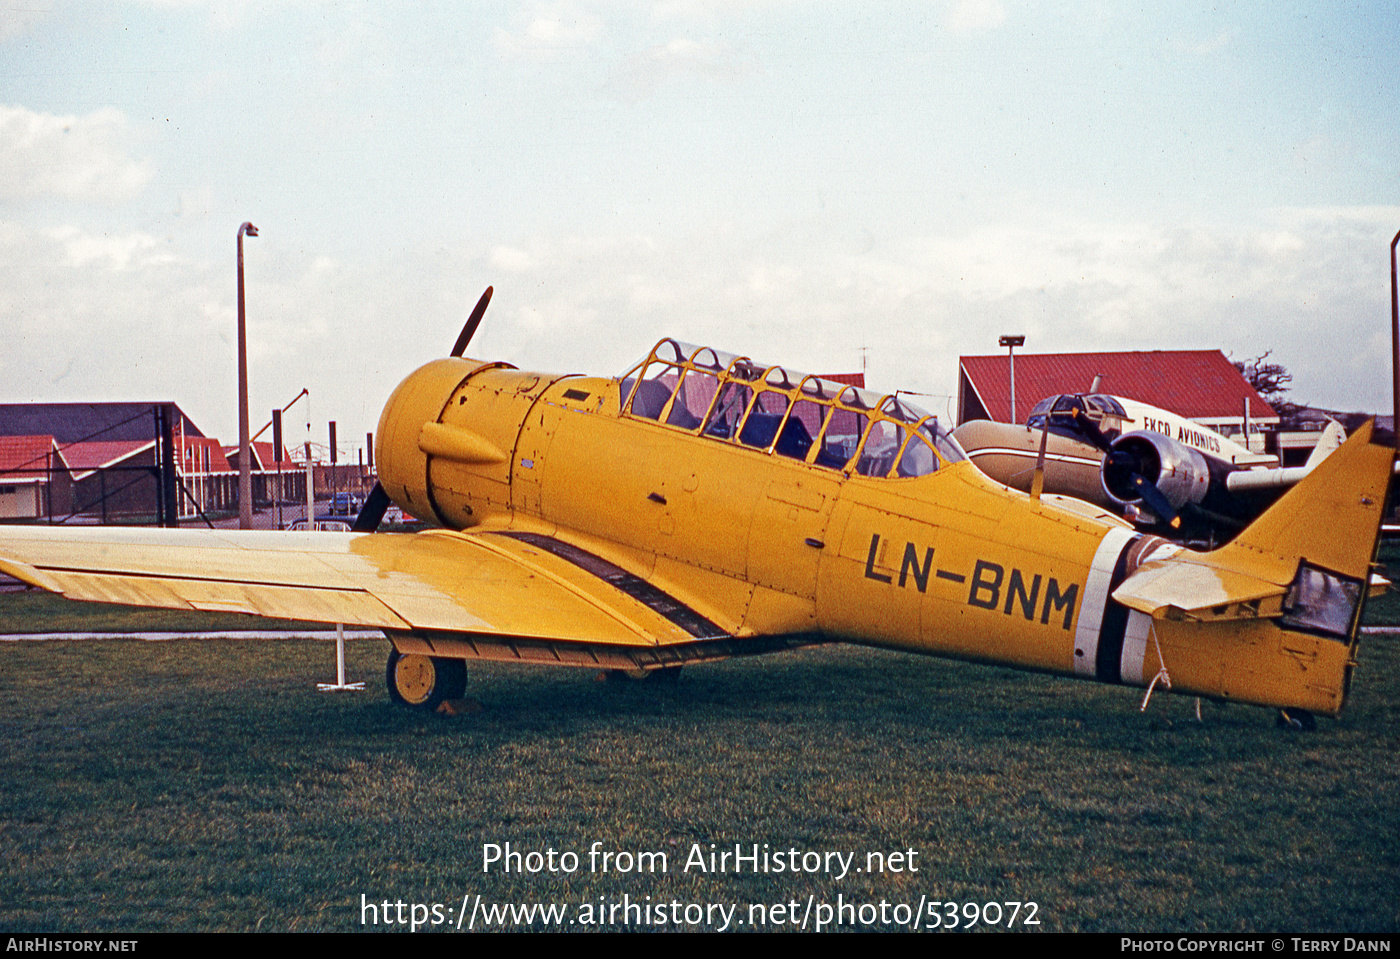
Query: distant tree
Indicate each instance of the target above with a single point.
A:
(1351, 421)
(1270, 381)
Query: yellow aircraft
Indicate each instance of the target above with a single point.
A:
(704, 505)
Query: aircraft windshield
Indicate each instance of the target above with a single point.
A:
(770, 408)
(1100, 407)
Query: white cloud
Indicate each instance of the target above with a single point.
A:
(593, 304)
(548, 29)
(512, 260)
(123, 252)
(82, 158)
(639, 75)
(975, 16)
(1202, 46)
(226, 15)
(94, 316)
(90, 316)
(18, 17)
(713, 9)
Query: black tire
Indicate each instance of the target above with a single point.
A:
(423, 682)
(1298, 720)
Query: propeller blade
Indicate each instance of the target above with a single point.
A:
(376, 505)
(473, 322)
(1155, 501)
(1038, 478)
(1091, 430)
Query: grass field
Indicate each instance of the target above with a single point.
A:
(206, 785)
(192, 785)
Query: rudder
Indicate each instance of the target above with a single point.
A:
(1331, 518)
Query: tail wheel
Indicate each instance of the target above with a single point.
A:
(669, 675)
(424, 681)
(1298, 720)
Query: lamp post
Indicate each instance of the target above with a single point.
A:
(1394, 345)
(245, 448)
(1011, 342)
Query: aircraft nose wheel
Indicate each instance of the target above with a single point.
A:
(424, 681)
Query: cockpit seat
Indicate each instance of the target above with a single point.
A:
(650, 399)
(795, 441)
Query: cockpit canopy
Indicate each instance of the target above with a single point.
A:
(833, 425)
(1106, 412)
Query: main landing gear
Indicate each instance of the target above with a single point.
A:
(424, 682)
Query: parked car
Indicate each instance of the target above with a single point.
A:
(320, 524)
(345, 504)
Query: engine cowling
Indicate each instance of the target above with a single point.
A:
(446, 438)
(1182, 474)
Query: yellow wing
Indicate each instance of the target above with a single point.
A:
(494, 585)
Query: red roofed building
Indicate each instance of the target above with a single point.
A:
(84, 458)
(1201, 385)
(264, 457)
(33, 474)
(106, 464)
(266, 454)
(113, 477)
(202, 454)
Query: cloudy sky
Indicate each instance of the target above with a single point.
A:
(815, 183)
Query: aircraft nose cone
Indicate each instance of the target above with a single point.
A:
(419, 399)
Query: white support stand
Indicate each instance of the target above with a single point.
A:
(310, 489)
(340, 684)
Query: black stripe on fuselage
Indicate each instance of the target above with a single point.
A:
(657, 600)
(1108, 662)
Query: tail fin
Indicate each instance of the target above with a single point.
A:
(1332, 438)
(1331, 519)
(1292, 587)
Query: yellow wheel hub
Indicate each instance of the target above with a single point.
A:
(415, 677)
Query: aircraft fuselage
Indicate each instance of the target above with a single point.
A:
(761, 543)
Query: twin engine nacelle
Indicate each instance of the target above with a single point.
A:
(1183, 475)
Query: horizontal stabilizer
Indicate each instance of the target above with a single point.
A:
(1328, 443)
(1180, 588)
(1326, 526)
